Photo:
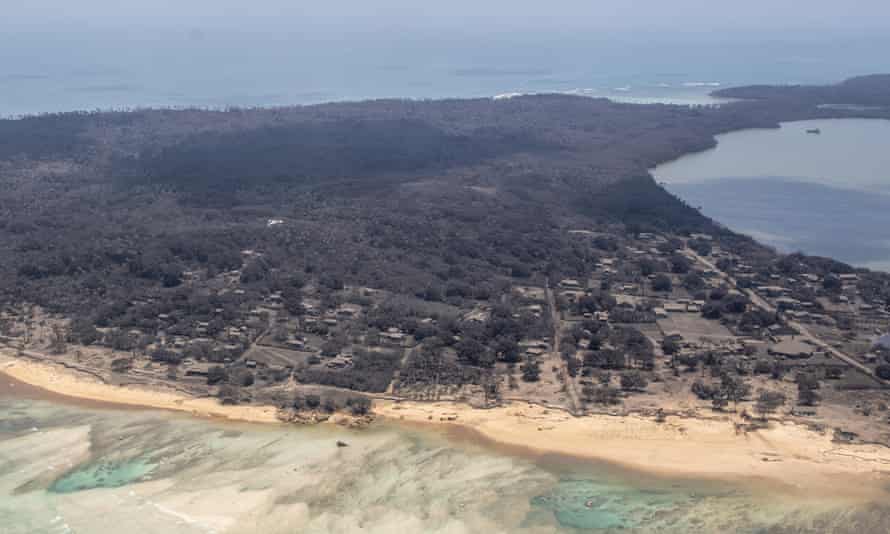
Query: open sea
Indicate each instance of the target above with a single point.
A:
(82, 68)
(76, 468)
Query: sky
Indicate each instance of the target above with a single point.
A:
(492, 15)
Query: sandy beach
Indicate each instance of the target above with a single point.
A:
(785, 453)
(59, 380)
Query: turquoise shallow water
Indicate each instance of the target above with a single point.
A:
(103, 474)
(66, 469)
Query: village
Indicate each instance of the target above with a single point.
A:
(661, 324)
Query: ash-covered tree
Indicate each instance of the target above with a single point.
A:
(662, 283)
(531, 370)
(633, 381)
(768, 402)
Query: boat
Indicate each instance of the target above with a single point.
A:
(814, 131)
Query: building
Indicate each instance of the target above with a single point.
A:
(772, 291)
(674, 307)
(791, 347)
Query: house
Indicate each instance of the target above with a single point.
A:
(787, 303)
(791, 347)
(198, 370)
(349, 310)
(772, 291)
(393, 335)
(674, 307)
(703, 237)
(295, 343)
(535, 309)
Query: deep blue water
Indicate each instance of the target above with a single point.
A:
(66, 69)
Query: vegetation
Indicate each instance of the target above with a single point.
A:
(395, 244)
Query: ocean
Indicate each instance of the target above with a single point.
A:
(77, 468)
(66, 68)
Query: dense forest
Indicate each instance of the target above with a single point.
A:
(869, 92)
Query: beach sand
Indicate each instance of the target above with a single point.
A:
(785, 453)
(62, 381)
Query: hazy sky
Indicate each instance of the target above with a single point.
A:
(683, 15)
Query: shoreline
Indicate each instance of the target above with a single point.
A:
(79, 387)
(787, 454)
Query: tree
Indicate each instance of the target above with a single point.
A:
(506, 349)
(633, 381)
(735, 304)
(832, 284)
(217, 374)
(720, 400)
(605, 395)
(229, 394)
(490, 387)
(313, 401)
(59, 339)
(472, 352)
(84, 332)
(648, 266)
(121, 365)
(712, 311)
(768, 402)
(662, 282)
(670, 345)
(680, 264)
(702, 247)
(703, 391)
(359, 405)
(734, 388)
(806, 396)
(693, 282)
(531, 370)
(883, 371)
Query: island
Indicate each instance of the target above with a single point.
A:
(507, 266)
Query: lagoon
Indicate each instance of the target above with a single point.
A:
(826, 194)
